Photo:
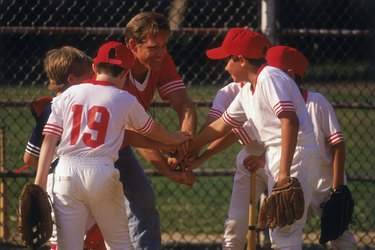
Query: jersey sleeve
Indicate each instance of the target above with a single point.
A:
(329, 123)
(278, 94)
(245, 135)
(36, 139)
(220, 103)
(139, 119)
(235, 115)
(169, 80)
(54, 125)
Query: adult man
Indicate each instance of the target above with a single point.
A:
(146, 35)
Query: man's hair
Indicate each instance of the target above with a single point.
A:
(145, 24)
(60, 63)
(109, 69)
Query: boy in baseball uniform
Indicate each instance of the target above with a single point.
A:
(236, 224)
(89, 121)
(65, 66)
(327, 130)
(275, 108)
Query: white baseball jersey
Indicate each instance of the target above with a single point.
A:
(326, 125)
(275, 92)
(221, 102)
(90, 118)
(224, 98)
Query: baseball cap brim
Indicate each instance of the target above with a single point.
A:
(217, 53)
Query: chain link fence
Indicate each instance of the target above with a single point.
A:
(337, 36)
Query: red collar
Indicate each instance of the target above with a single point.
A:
(256, 79)
(96, 82)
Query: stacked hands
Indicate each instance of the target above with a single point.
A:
(185, 158)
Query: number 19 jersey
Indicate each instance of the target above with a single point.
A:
(90, 119)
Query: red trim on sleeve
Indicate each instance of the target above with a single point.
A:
(230, 121)
(171, 87)
(242, 136)
(215, 113)
(335, 138)
(283, 106)
(147, 127)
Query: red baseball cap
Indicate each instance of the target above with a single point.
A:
(285, 58)
(122, 56)
(241, 41)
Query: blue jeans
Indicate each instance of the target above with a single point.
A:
(144, 222)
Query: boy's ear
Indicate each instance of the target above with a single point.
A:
(71, 78)
(291, 73)
(243, 61)
(132, 45)
(93, 68)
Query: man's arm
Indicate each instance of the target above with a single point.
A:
(155, 158)
(185, 110)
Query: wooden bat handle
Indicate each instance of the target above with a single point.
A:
(251, 235)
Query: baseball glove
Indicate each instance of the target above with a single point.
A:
(283, 206)
(37, 106)
(337, 214)
(94, 239)
(34, 216)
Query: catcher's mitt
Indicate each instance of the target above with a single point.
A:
(337, 214)
(94, 239)
(283, 206)
(34, 216)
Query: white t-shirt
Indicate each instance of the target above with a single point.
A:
(90, 119)
(275, 92)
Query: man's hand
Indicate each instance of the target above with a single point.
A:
(181, 177)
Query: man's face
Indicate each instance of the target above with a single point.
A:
(152, 51)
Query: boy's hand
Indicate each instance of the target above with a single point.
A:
(253, 162)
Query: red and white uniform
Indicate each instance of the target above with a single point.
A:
(166, 81)
(327, 131)
(276, 92)
(90, 119)
(236, 224)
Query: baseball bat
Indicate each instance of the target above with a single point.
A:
(251, 234)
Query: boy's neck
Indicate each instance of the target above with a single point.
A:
(107, 78)
(252, 74)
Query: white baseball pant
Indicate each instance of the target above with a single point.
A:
(306, 160)
(89, 185)
(236, 225)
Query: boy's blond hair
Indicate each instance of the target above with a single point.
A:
(60, 63)
(145, 24)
